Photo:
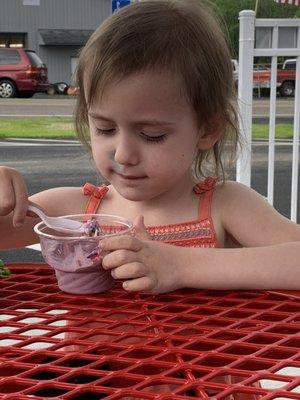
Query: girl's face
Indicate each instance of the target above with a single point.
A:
(144, 135)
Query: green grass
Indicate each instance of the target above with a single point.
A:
(62, 127)
(44, 127)
(283, 131)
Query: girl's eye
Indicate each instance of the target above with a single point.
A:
(100, 131)
(153, 139)
(147, 138)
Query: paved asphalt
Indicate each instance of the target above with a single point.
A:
(47, 164)
(43, 105)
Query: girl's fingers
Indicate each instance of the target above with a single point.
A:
(129, 271)
(140, 228)
(144, 284)
(21, 202)
(120, 242)
(13, 195)
(7, 199)
(7, 195)
(117, 258)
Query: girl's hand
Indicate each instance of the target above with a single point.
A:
(143, 264)
(13, 195)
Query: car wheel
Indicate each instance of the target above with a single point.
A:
(7, 89)
(61, 87)
(287, 89)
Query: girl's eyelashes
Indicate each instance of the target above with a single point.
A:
(147, 138)
(153, 139)
(101, 131)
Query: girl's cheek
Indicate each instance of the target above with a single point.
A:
(98, 158)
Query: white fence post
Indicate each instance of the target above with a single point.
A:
(275, 38)
(246, 49)
(295, 165)
(272, 124)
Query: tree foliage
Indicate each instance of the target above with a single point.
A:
(228, 11)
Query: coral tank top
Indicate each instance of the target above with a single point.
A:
(196, 233)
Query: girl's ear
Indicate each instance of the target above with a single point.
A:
(210, 134)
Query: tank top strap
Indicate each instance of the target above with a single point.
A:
(96, 194)
(206, 189)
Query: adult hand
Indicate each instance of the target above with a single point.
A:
(144, 264)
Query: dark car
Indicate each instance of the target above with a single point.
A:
(22, 73)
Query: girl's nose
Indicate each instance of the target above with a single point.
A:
(126, 152)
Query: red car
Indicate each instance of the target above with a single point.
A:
(22, 73)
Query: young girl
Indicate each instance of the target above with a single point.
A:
(156, 105)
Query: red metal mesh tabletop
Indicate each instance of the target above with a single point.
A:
(115, 345)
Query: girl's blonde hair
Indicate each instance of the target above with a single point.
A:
(180, 36)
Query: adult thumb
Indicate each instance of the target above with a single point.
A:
(140, 228)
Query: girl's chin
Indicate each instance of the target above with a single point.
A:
(131, 194)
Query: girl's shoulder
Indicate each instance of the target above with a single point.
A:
(249, 218)
(236, 200)
(61, 200)
(233, 191)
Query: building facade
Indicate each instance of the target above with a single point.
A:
(55, 29)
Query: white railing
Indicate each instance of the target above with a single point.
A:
(269, 38)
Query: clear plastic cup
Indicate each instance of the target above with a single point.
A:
(77, 259)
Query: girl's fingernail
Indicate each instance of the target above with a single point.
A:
(18, 224)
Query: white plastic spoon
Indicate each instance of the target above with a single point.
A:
(57, 223)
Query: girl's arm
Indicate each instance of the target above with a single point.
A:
(268, 267)
(270, 253)
(158, 267)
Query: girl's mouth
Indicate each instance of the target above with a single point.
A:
(130, 177)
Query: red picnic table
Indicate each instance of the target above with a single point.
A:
(230, 345)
